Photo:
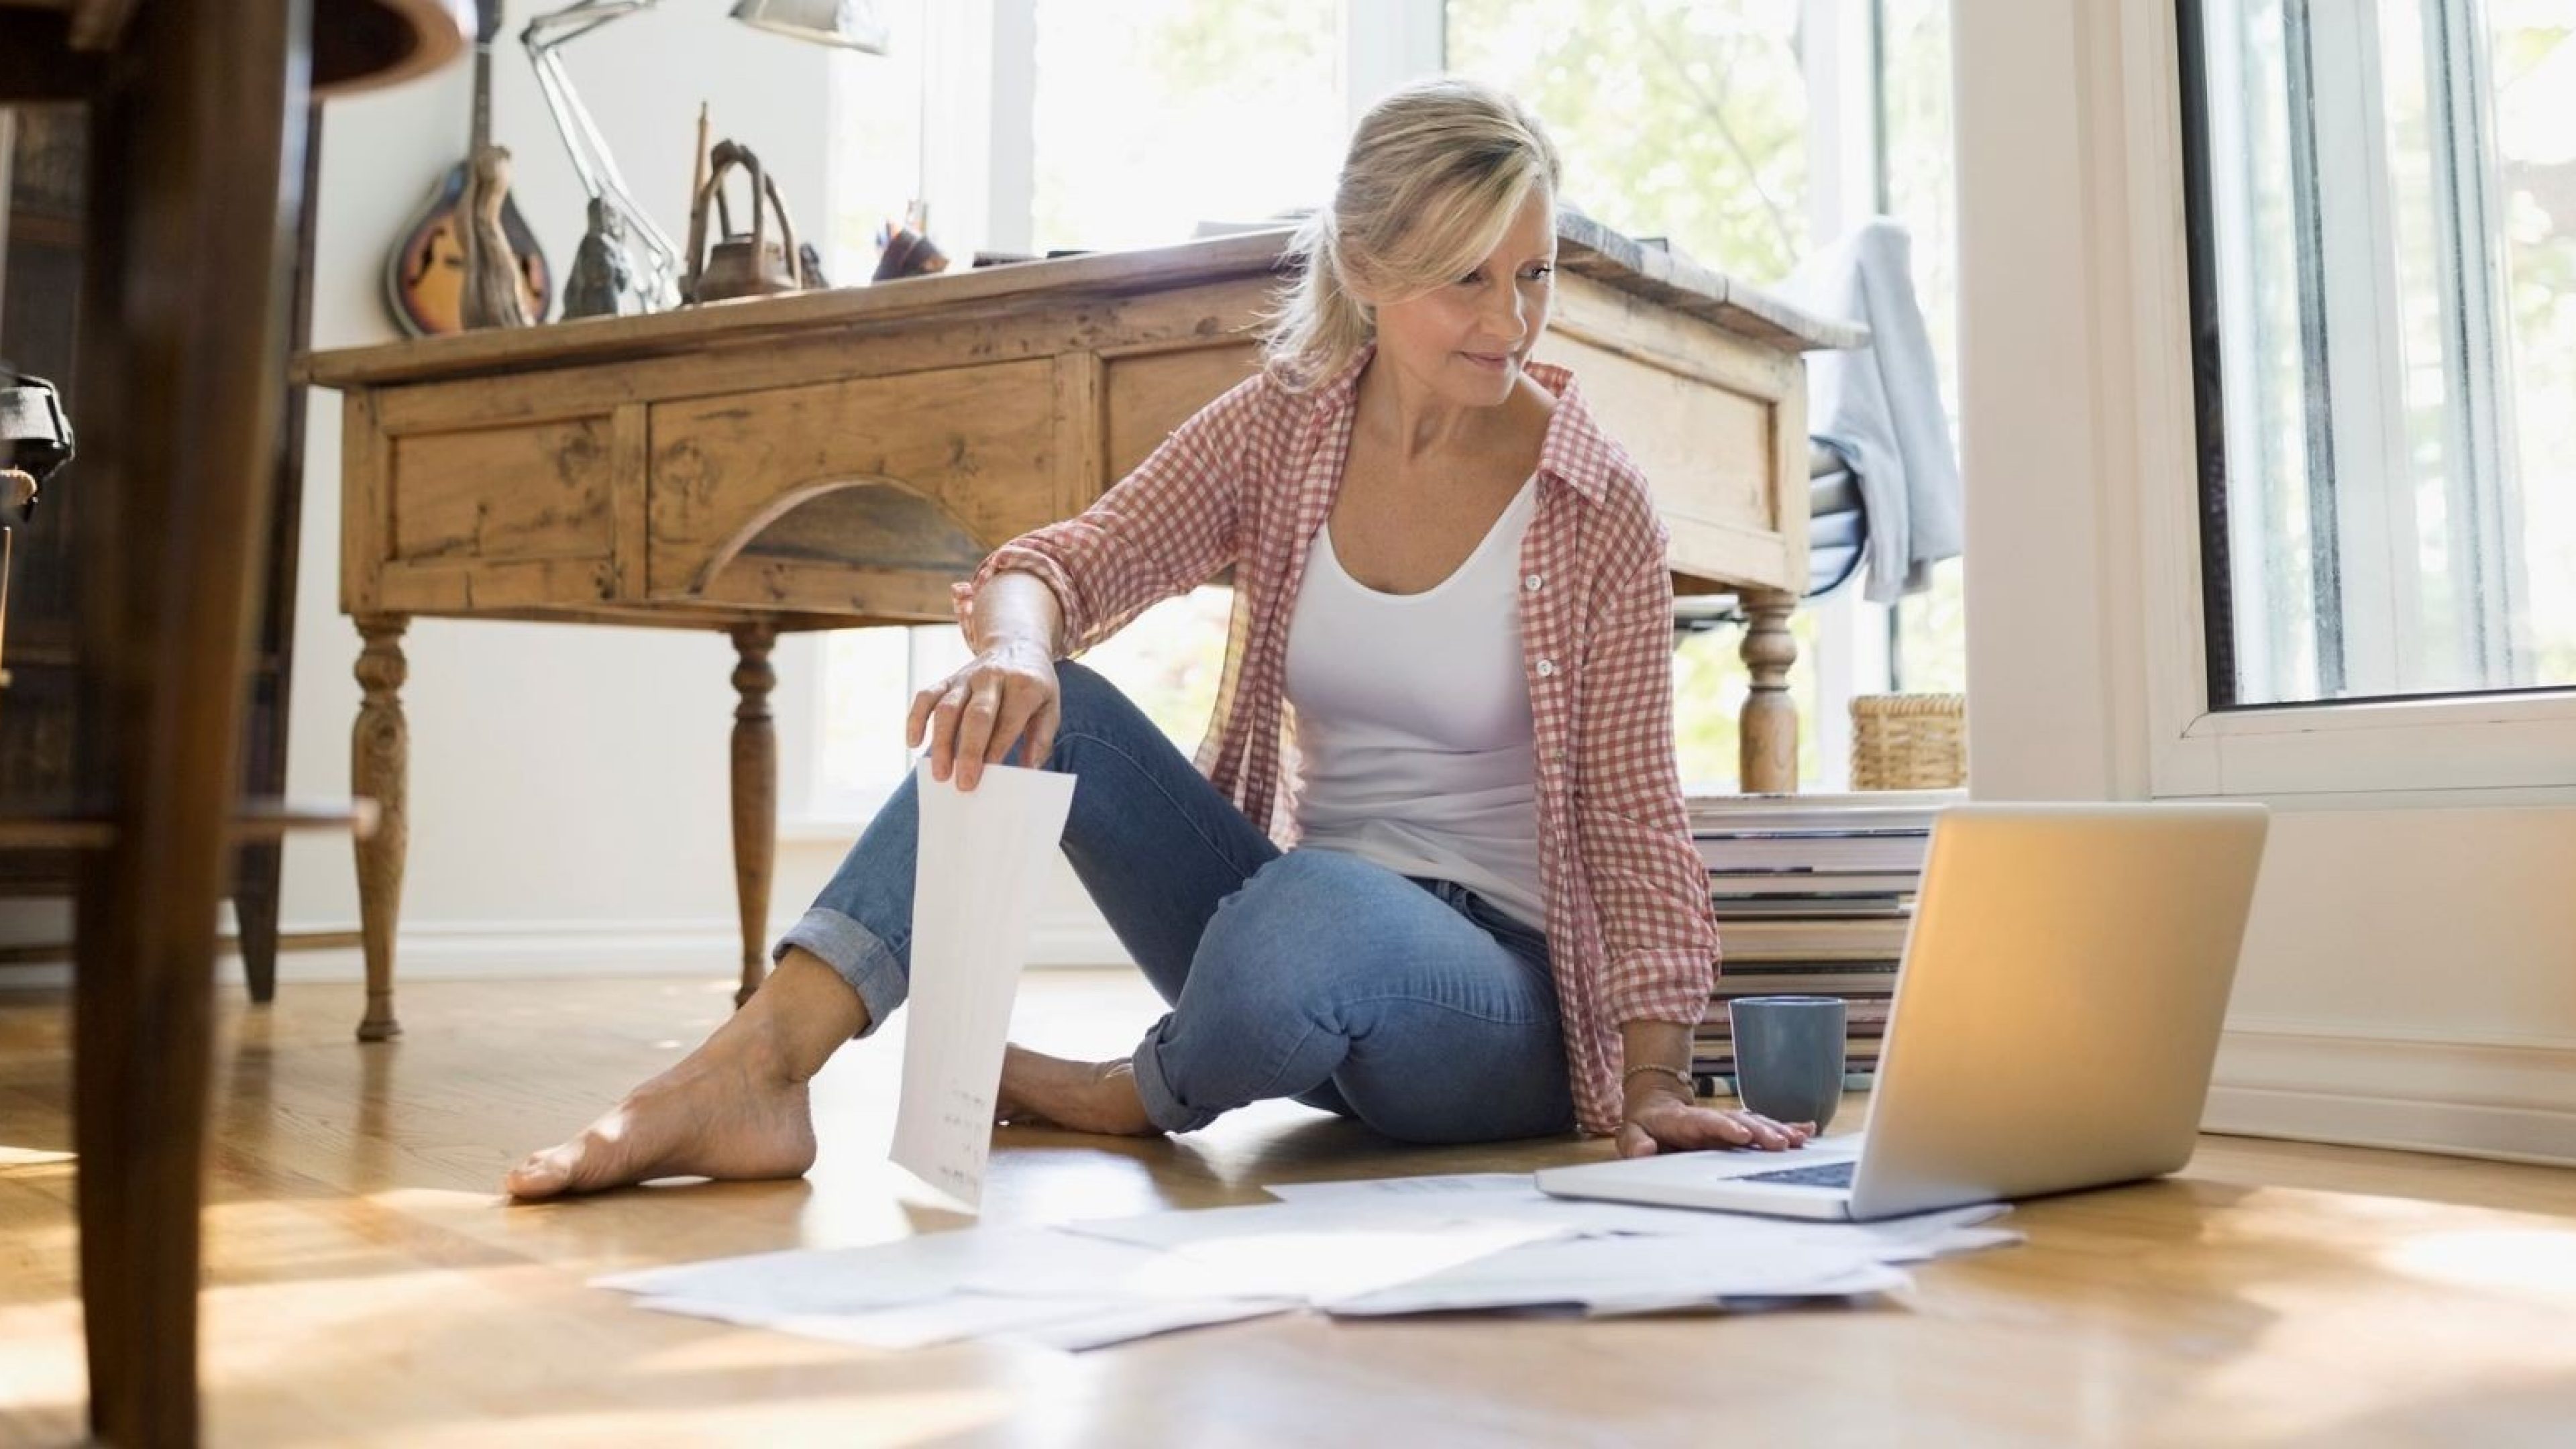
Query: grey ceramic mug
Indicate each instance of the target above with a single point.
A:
(1788, 1056)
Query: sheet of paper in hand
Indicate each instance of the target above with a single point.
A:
(983, 860)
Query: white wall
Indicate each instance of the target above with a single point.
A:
(2409, 977)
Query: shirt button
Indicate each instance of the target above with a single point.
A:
(1546, 667)
(1531, 583)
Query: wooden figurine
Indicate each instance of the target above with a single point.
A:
(904, 248)
(907, 253)
(492, 297)
(602, 283)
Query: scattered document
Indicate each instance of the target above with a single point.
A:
(894, 1326)
(1398, 1190)
(1132, 1321)
(1629, 1274)
(983, 859)
(1069, 1324)
(1035, 1285)
(1363, 1249)
(1513, 1197)
(1284, 1250)
(1861, 1282)
(878, 1275)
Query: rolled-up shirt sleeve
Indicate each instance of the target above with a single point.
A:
(1164, 529)
(1633, 832)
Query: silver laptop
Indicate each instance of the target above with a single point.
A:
(2055, 1021)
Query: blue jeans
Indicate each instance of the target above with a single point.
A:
(1415, 1006)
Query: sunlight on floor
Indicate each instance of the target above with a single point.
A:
(875, 1420)
(2521, 1262)
(2305, 1369)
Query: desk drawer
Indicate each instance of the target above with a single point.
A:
(441, 517)
(972, 448)
(539, 491)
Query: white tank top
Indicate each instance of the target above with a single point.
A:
(1412, 720)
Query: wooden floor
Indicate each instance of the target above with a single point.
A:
(365, 1283)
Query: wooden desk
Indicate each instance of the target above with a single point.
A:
(838, 458)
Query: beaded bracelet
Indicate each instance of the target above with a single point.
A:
(1676, 1073)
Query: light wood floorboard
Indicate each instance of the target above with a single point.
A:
(366, 1283)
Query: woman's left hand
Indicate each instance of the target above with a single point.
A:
(1666, 1121)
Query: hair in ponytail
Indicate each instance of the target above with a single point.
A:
(1435, 173)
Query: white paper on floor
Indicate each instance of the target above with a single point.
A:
(1070, 1324)
(1328, 1258)
(1131, 1321)
(983, 859)
(1625, 1273)
(1358, 1249)
(1034, 1284)
(1278, 1250)
(878, 1275)
(918, 1291)
(1514, 1197)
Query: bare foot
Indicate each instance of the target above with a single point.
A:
(728, 1110)
(1040, 1090)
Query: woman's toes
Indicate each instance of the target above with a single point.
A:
(543, 1174)
(580, 1165)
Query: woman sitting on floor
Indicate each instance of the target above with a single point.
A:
(1492, 922)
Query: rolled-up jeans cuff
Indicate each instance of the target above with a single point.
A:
(857, 955)
(1155, 1091)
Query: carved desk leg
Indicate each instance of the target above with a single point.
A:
(755, 797)
(1767, 743)
(379, 770)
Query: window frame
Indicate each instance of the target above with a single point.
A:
(2482, 748)
(2361, 483)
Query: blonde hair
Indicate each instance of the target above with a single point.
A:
(1436, 171)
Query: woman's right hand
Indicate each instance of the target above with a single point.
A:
(973, 717)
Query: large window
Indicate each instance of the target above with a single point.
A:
(1747, 131)
(1155, 115)
(2383, 246)
(1729, 126)
(1679, 118)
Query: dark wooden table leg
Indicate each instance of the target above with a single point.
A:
(380, 770)
(182, 354)
(255, 890)
(755, 797)
(1767, 740)
(255, 915)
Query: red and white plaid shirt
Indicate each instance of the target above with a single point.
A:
(1248, 480)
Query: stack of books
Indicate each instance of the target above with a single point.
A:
(1814, 895)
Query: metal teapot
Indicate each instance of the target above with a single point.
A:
(736, 264)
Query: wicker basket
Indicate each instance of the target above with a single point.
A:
(1909, 741)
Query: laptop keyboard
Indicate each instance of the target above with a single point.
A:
(1823, 1174)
